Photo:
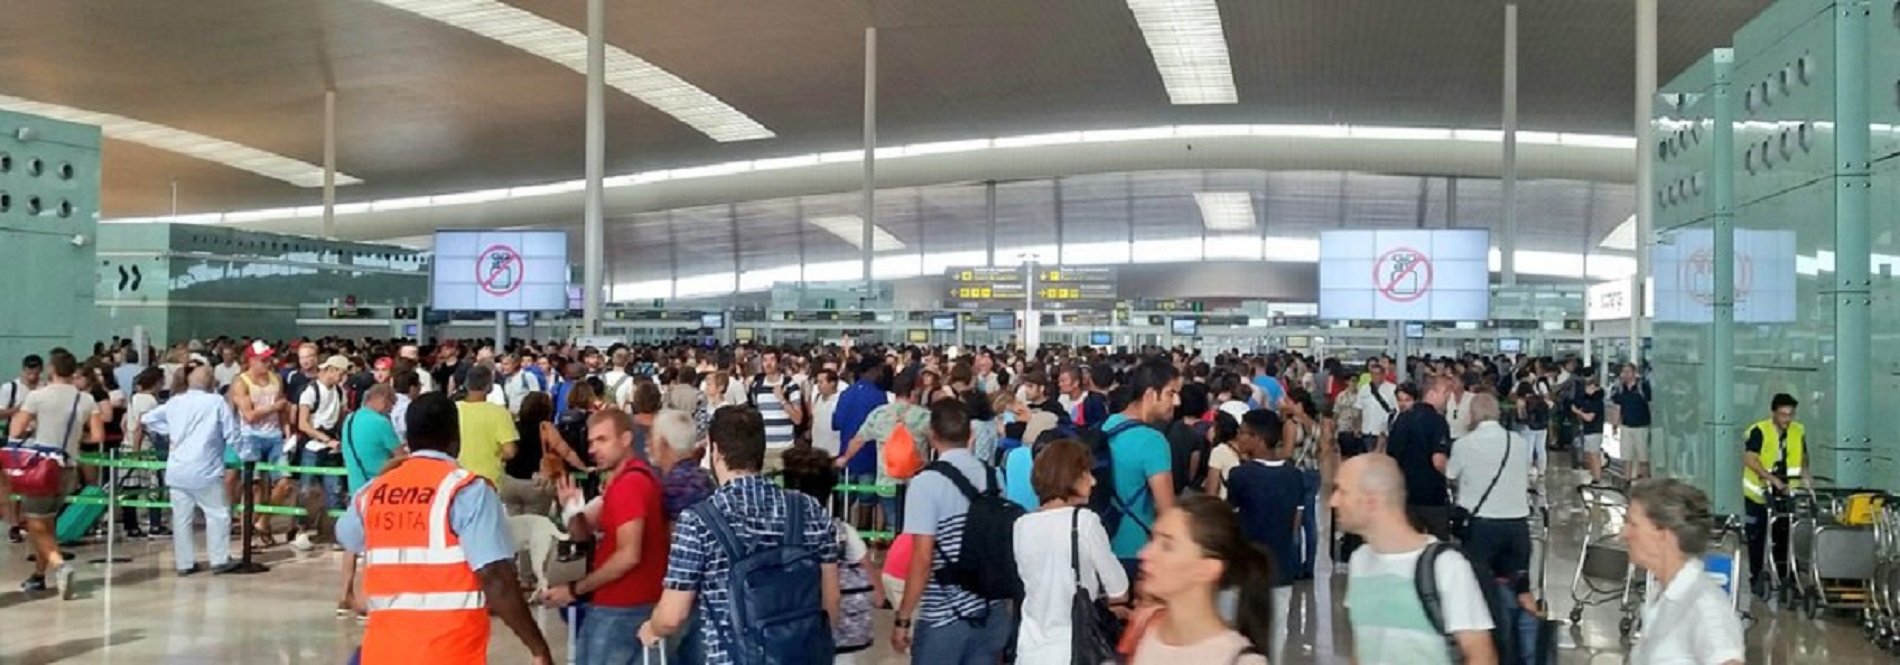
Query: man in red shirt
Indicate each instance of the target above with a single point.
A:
(629, 520)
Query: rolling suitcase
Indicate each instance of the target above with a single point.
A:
(79, 518)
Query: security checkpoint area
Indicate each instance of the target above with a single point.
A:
(992, 331)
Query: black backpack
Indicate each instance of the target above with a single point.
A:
(1425, 578)
(1104, 500)
(986, 560)
(776, 593)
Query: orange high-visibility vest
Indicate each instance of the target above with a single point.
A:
(425, 604)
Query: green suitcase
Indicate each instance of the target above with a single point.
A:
(79, 518)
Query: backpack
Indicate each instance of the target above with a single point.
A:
(1425, 579)
(775, 593)
(1104, 500)
(902, 460)
(985, 564)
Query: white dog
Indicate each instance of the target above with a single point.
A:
(537, 536)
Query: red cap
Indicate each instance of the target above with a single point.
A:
(385, 362)
(258, 349)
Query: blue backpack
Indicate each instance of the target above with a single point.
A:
(776, 594)
(1104, 500)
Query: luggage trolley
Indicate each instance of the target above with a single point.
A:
(1881, 618)
(1605, 557)
(1831, 548)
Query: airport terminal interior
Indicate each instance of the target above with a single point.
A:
(528, 331)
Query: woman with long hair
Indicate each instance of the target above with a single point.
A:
(1225, 454)
(1302, 436)
(1197, 551)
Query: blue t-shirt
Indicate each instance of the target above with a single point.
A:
(855, 404)
(1271, 392)
(1266, 496)
(1016, 467)
(369, 439)
(1140, 453)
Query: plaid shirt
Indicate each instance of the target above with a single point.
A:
(756, 509)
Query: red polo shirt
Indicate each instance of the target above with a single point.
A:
(634, 494)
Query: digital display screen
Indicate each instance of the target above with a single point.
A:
(944, 323)
(919, 336)
(500, 271)
(1511, 345)
(712, 320)
(1002, 322)
(1415, 331)
(1298, 342)
(519, 319)
(1441, 275)
(411, 330)
(1184, 327)
(1100, 338)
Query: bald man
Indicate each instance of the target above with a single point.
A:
(1390, 623)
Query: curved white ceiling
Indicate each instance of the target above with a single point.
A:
(1470, 153)
(189, 144)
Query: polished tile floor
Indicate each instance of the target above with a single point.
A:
(148, 615)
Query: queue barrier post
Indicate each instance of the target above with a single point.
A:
(245, 565)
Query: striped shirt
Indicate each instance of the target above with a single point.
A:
(779, 431)
(756, 510)
(935, 507)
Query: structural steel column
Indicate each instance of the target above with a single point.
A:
(329, 165)
(1645, 170)
(1853, 289)
(989, 232)
(870, 154)
(1722, 467)
(1507, 241)
(594, 233)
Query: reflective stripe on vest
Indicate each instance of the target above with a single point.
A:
(399, 556)
(430, 602)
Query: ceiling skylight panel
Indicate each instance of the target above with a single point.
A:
(179, 141)
(850, 228)
(566, 46)
(1226, 211)
(1189, 48)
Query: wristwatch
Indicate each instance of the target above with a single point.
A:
(902, 623)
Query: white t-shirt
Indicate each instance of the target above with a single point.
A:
(1220, 461)
(225, 373)
(1690, 623)
(619, 385)
(1458, 415)
(1389, 625)
(141, 403)
(1374, 418)
(325, 403)
(1042, 560)
(823, 437)
(1476, 458)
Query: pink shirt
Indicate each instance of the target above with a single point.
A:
(897, 560)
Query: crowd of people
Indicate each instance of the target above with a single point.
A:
(1052, 505)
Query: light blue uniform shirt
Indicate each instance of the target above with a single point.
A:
(475, 516)
(200, 426)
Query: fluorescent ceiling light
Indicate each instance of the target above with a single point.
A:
(850, 228)
(1057, 139)
(189, 144)
(1226, 211)
(566, 46)
(1189, 49)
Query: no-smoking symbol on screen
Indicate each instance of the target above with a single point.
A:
(1402, 274)
(499, 270)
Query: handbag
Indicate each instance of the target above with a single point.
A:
(1461, 518)
(1093, 626)
(38, 471)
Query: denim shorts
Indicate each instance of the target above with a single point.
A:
(258, 447)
